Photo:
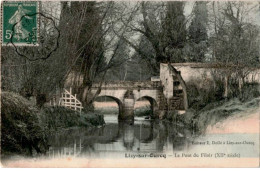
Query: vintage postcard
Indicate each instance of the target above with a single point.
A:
(130, 84)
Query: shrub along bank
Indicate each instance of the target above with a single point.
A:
(25, 128)
(21, 131)
(208, 108)
(198, 121)
(57, 118)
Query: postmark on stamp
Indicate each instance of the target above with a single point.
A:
(20, 23)
(33, 34)
(48, 36)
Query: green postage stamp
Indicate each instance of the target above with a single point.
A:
(19, 23)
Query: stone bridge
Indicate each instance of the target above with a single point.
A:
(165, 92)
(127, 93)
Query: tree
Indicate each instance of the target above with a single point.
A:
(86, 51)
(198, 33)
(140, 68)
(234, 41)
(134, 67)
(166, 32)
(122, 56)
(34, 76)
(174, 33)
(93, 44)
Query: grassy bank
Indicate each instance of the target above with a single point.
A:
(25, 127)
(198, 121)
(214, 113)
(207, 105)
(57, 118)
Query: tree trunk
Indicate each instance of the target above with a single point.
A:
(183, 84)
(40, 100)
(226, 86)
(240, 85)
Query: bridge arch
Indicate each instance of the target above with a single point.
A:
(153, 104)
(117, 100)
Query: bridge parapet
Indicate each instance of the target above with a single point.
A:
(129, 84)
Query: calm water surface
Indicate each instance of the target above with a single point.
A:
(119, 139)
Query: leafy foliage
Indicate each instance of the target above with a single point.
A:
(198, 34)
(21, 131)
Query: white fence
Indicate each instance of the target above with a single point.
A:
(67, 100)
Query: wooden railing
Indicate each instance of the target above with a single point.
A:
(70, 101)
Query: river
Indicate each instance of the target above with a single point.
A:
(120, 139)
(147, 143)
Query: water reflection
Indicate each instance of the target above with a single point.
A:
(115, 139)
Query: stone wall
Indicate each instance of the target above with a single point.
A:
(201, 74)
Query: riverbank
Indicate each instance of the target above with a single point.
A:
(196, 121)
(109, 138)
(26, 128)
(242, 122)
(210, 118)
(54, 119)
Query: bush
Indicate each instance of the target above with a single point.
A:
(201, 97)
(210, 107)
(25, 128)
(145, 112)
(92, 119)
(21, 130)
(249, 91)
(55, 118)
